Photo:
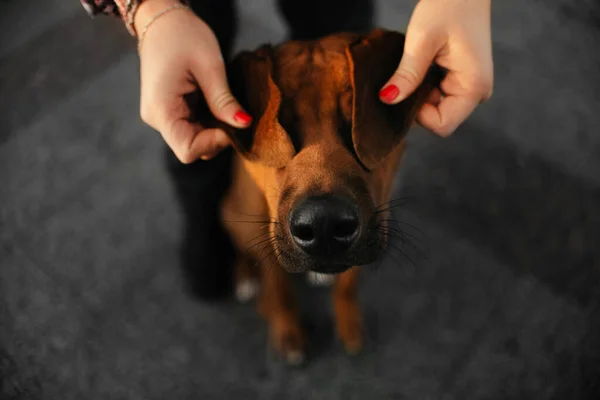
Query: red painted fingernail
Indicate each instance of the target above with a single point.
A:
(242, 118)
(389, 93)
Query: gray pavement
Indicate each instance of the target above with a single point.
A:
(506, 307)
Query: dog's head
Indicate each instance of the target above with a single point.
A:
(330, 146)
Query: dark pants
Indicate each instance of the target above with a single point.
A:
(206, 252)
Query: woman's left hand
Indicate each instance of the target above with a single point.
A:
(455, 34)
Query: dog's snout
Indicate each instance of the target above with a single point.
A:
(325, 225)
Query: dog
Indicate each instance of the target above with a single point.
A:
(312, 171)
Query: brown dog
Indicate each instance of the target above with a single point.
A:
(317, 162)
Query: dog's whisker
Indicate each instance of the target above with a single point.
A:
(258, 263)
(399, 264)
(394, 201)
(251, 215)
(263, 240)
(272, 254)
(257, 236)
(264, 245)
(269, 243)
(394, 259)
(252, 222)
(406, 241)
(389, 208)
(403, 234)
(400, 201)
(404, 237)
(404, 255)
(403, 223)
(386, 252)
(419, 251)
(410, 197)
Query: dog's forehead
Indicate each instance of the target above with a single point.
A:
(314, 80)
(320, 64)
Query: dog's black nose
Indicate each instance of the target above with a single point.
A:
(324, 225)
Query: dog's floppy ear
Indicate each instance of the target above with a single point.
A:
(377, 128)
(251, 76)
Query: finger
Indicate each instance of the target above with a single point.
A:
(209, 143)
(444, 118)
(179, 136)
(189, 142)
(435, 97)
(419, 53)
(224, 106)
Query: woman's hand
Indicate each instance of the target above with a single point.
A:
(179, 53)
(455, 34)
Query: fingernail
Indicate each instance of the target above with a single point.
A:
(389, 93)
(242, 118)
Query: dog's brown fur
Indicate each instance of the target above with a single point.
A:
(318, 128)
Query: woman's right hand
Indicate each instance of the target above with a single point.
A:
(179, 53)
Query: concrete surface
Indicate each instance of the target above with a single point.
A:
(506, 307)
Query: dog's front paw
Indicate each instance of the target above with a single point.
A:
(247, 285)
(246, 290)
(287, 338)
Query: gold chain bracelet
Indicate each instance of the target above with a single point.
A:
(157, 16)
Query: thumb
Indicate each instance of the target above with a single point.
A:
(419, 53)
(223, 105)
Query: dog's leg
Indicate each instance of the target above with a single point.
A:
(249, 240)
(278, 307)
(347, 312)
(245, 216)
